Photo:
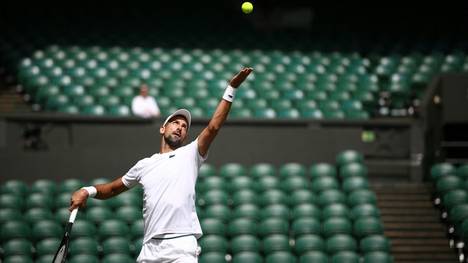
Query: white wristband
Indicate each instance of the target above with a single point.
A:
(229, 93)
(92, 191)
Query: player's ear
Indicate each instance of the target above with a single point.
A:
(162, 130)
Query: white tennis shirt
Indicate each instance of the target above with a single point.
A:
(168, 182)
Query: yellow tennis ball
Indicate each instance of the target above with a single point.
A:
(247, 7)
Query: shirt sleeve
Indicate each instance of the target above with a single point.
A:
(200, 159)
(133, 175)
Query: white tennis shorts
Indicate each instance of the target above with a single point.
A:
(176, 250)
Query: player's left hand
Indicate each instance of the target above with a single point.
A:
(240, 77)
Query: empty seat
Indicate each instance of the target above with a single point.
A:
(281, 257)
(44, 186)
(241, 226)
(36, 214)
(361, 197)
(323, 183)
(83, 245)
(307, 243)
(314, 256)
(365, 226)
(213, 243)
(84, 228)
(345, 257)
(336, 225)
(353, 169)
(275, 242)
(340, 242)
(335, 210)
(355, 183)
(113, 228)
(245, 196)
(377, 257)
(18, 246)
(118, 258)
(364, 210)
(14, 230)
(306, 210)
(9, 214)
(293, 183)
(267, 182)
(39, 200)
(18, 259)
(348, 156)
(213, 226)
(221, 212)
(275, 210)
(374, 243)
(245, 243)
(46, 229)
(129, 214)
(13, 201)
(273, 226)
(212, 257)
(246, 211)
(331, 196)
(99, 214)
(273, 196)
(292, 169)
(322, 169)
(306, 225)
(302, 196)
(247, 257)
(14, 187)
(231, 170)
(115, 245)
(442, 169)
(84, 258)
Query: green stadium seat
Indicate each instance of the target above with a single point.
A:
(9, 214)
(212, 257)
(323, 183)
(454, 197)
(240, 183)
(39, 200)
(62, 215)
(14, 187)
(349, 156)
(281, 257)
(129, 214)
(374, 243)
(70, 186)
(306, 210)
(458, 213)
(232, 170)
(219, 211)
(275, 242)
(322, 169)
(442, 169)
(302, 196)
(273, 226)
(84, 228)
(364, 210)
(267, 182)
(45, 258)
(306, 225)
(244, 243)
(294, 183)
(345, 257)
(17, 246)
(377, 257)
(212, 182)
(84, 258)
(83, 245)
(447, 183)
(241, 226)
(262, 169)
(335, 210)
(331, 196)
(13, 201)
(213, 243)
(462, 171)
(136, 228)
(273, 196)
(206, 170)
(115, 245)
(46, 229)
(247, 257)
(113, 228)
(244, 197)
(98, 214)
(314, 256)
(336, 225)
(366, 226)
(246, 211)
(275, 211)
(214, 197)
(292, 169)
(44, 186)
(47, 246)
(213, 226)
(119, 110)
(117, 258)
(353, 169)
(15, 230)
(361, 197)
(340, 242)
(355, 183)
(18, 259)
(95, 110)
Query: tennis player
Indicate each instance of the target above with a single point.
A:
(171, 226)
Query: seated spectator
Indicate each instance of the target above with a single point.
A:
(144, 105)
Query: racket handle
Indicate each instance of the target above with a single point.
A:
(73, 215)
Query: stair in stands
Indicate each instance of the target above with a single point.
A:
(11, 101)
(412, 223)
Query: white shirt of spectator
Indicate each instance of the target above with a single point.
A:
(168, 182)
(145, 107)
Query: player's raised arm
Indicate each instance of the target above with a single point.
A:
(208, 134)
(100, 191)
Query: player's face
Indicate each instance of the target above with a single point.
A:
(175, 131)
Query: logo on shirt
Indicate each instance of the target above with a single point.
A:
(230, 96)
(172, 155)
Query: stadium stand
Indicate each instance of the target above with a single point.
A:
(247, 215)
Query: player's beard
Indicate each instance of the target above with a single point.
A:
(173, 141)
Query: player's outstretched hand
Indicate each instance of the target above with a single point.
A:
(240, 77)
(78, 199)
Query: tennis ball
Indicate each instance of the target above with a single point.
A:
(247, 7)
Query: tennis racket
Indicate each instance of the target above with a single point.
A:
(62, 251)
